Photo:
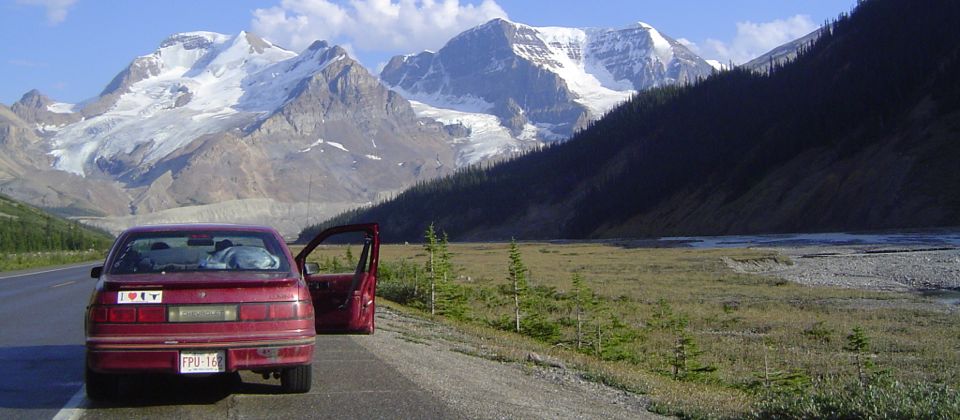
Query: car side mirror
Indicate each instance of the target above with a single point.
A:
(311, 268)
(95, 272)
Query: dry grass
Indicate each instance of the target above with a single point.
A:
(740, 321)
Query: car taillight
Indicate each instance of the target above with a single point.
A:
(126, 314)
(275, 311)
(283, 310)
(155, 313)
(121, 314)
(305, 310)
(253, 312)
(98, 314)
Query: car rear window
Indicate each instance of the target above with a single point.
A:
(175, 251)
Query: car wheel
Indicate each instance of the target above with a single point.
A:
(101, 386)
(296, 380)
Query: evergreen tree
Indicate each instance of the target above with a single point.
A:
(583, 300)
(858, 343)
(431, 246)
(686, 353)
(348, 255)
(517, 275)
(450, 299)
(717, 140)
(27, 229)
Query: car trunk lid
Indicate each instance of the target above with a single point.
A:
(195, 280)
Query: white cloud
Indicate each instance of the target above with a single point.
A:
(754, 39)
(371, 25)
(692, 46)
(56, 9)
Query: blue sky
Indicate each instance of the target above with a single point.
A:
(71, 49)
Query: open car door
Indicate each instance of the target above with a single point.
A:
(342, 276)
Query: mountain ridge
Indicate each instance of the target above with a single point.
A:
(24, 228)
(541, 83)
(820, 144)
(208, 119)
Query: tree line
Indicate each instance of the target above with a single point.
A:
(847, 95)
(580, 319)
(27, 229)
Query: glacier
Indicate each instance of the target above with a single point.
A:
(199, 83)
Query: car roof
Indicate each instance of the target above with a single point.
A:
(200, 226)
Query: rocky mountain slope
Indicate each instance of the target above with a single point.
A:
(26, 171)
(214, 120)
(24, 228)
(514, 85)
(782, 54)
(842, 138)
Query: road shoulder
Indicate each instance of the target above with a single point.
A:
(465, 375)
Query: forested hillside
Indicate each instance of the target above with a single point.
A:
(861, 131)
(27, 229)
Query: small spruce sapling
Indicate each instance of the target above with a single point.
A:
(430, 245)
(582, 300)
(517, 275)
(685, 362)
(858, 343)
(450, 299)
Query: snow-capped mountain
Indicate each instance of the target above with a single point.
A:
(195, 84)
(540, 83)
(234, 128)
(217, 120)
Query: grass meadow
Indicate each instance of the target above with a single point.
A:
(27, 260)
(744, 344)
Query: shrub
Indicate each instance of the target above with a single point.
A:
(878, 400)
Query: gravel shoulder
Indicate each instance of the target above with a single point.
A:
(902, 269)
(463, 373)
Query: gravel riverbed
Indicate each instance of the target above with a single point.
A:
(901, 268)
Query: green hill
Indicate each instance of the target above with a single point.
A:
(860, 132)
(27, 229)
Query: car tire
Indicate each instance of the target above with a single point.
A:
(101, 386)
(297, 380)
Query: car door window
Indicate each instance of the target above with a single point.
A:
(343, 288)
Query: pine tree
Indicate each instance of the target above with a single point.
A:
(582, 300)
(450, 301)
(517, 275)
(858, 343)
(430, 245)
(685, 362)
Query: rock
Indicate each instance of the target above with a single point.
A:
(542, 361)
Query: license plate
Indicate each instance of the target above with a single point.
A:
(202, 361)
(202, 313)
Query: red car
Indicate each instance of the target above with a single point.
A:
(208, 299)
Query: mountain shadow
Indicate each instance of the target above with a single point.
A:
(861, 131)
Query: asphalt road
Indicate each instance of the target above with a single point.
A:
(41, 354)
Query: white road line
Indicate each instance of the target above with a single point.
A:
(48, 271)
(63, 284)
(73, 408)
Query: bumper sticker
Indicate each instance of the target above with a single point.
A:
(140, 296)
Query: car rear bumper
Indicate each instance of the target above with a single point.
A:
(166, 359)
